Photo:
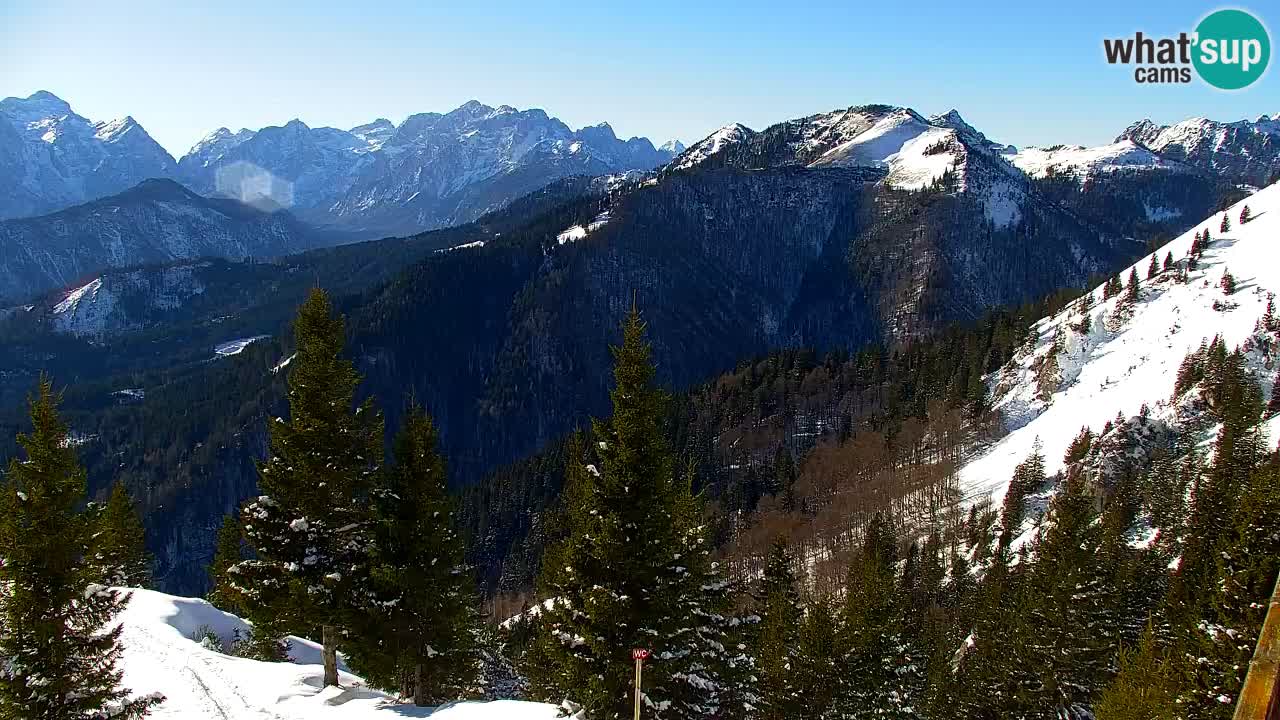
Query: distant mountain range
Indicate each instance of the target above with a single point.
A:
(430, 171)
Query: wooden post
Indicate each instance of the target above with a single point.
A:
(329, 638)
(1260, 696)
(639, 665)
(638, 654)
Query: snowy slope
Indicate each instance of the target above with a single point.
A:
(1107, 371)
(1085, 161)
(697, 153)
(904, 142)
(199, 683)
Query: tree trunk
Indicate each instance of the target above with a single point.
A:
(419, 690)
(406, 684)
(330, 639)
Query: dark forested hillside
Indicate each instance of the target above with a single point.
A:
(806, 442)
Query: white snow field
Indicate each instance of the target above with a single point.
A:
(198, 683)
(237, 346)
(1108, 371)
(1085, 161)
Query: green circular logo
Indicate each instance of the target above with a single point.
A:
(1232, 49)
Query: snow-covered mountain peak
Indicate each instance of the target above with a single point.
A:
(1243, 151)
(40, 105)
(598, 132)
(376, 133)
(697, 153)
(115, 129)
(1125, 357)
(673, 146)
(470, 111)
(214, 145)
(52, 158)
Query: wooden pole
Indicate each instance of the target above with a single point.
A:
(639, 665)
(1260, 696)
(329, 651)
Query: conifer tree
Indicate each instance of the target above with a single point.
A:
(776, 651)
(1237, 451)
(1112, 288)
(1228, 283)
(1168, 260)
(1146, 686)
(310, 529)
(420, 632)
(885, 672)
(265, 640)
(634, 570)
(1073, 612)
(57, 638)
(1026, 477)
(1226, 223)
(818, 678)
(119, 552)
(1245, 215)
(228, 550)
(1085, 324)
(1273, 406)
(1079, 447)
(1246, 566)
(785, 477)
(1153, 269)
(990, 669)
(1132, 295)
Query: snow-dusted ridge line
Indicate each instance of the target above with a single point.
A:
(1119, 370)
(1083, 162)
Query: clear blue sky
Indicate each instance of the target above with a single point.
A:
(1023, 72)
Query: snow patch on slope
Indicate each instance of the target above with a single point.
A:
(1107, 371)
(577, 232)
(85, 310)
(237, 346)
